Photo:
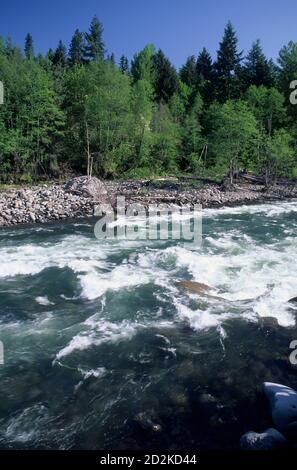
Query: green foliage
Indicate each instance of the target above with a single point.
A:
(234, 135)
(166, 79)
(142, 66)
(146, 120)
(124, 64)
(29, 50)
(95, 47)
(77, 48)
(257, 69)
(267, 105)
(227, 65)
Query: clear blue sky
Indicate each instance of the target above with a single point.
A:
(179, 27)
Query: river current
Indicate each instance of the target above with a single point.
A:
(104, 350)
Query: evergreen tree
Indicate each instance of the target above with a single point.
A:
(77, 48)
(166, 79)
(124, 64)
(111, 59)
(188, 72)
(50, 55)
(10, 49)
(29, 50)
(142, 65)
(205, 76)
(287, 61)
(227, 65)
(257, 70)
(60, 55)
(95, 47)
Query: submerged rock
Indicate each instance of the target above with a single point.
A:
(269, 322)
(271, 439)
(293, 300)
(196, 287)
(283, 402)
(148, 421)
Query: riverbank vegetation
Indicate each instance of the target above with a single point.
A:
(79, 110)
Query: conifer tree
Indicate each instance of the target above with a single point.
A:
(95, 48)
(257, 70)
(60, 55)
(188, 72)
(205, 76)
(124, 64)
(166, 79)
(142, 65)
(227, 65)
(29, 50)
(77, 48)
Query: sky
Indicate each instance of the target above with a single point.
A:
(179, 27)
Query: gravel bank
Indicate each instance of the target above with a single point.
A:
(79, 197)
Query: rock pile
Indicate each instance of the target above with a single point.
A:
(43, 204)
(80, 196)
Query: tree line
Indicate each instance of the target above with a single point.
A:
(78, 110)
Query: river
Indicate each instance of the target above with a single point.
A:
(103, 349)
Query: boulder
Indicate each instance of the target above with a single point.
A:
(293, 300)
(283, 402)
(196, 287)
(271, 439)
(87, 187)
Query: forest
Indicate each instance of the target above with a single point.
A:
(80, 110)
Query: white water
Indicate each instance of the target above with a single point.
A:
(234, 263)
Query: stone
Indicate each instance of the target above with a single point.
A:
(196, 287)
(283, 402)
(87, 187)
(271, 439)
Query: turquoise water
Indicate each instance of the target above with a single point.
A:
(103, 350)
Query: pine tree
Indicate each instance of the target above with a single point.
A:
(205, 76)
(95, 48)
(166, 79)
(111, 59)
(124, 64)
(29, 50)
(227, 65)
(10, 49)
(257, 70)
(188, 72)
(60, 55)
(77, 48)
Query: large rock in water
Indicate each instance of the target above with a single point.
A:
(88, 187)
(196, 287)
(283, 402)
(271, 439)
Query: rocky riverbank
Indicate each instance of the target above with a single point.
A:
(79, 197)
